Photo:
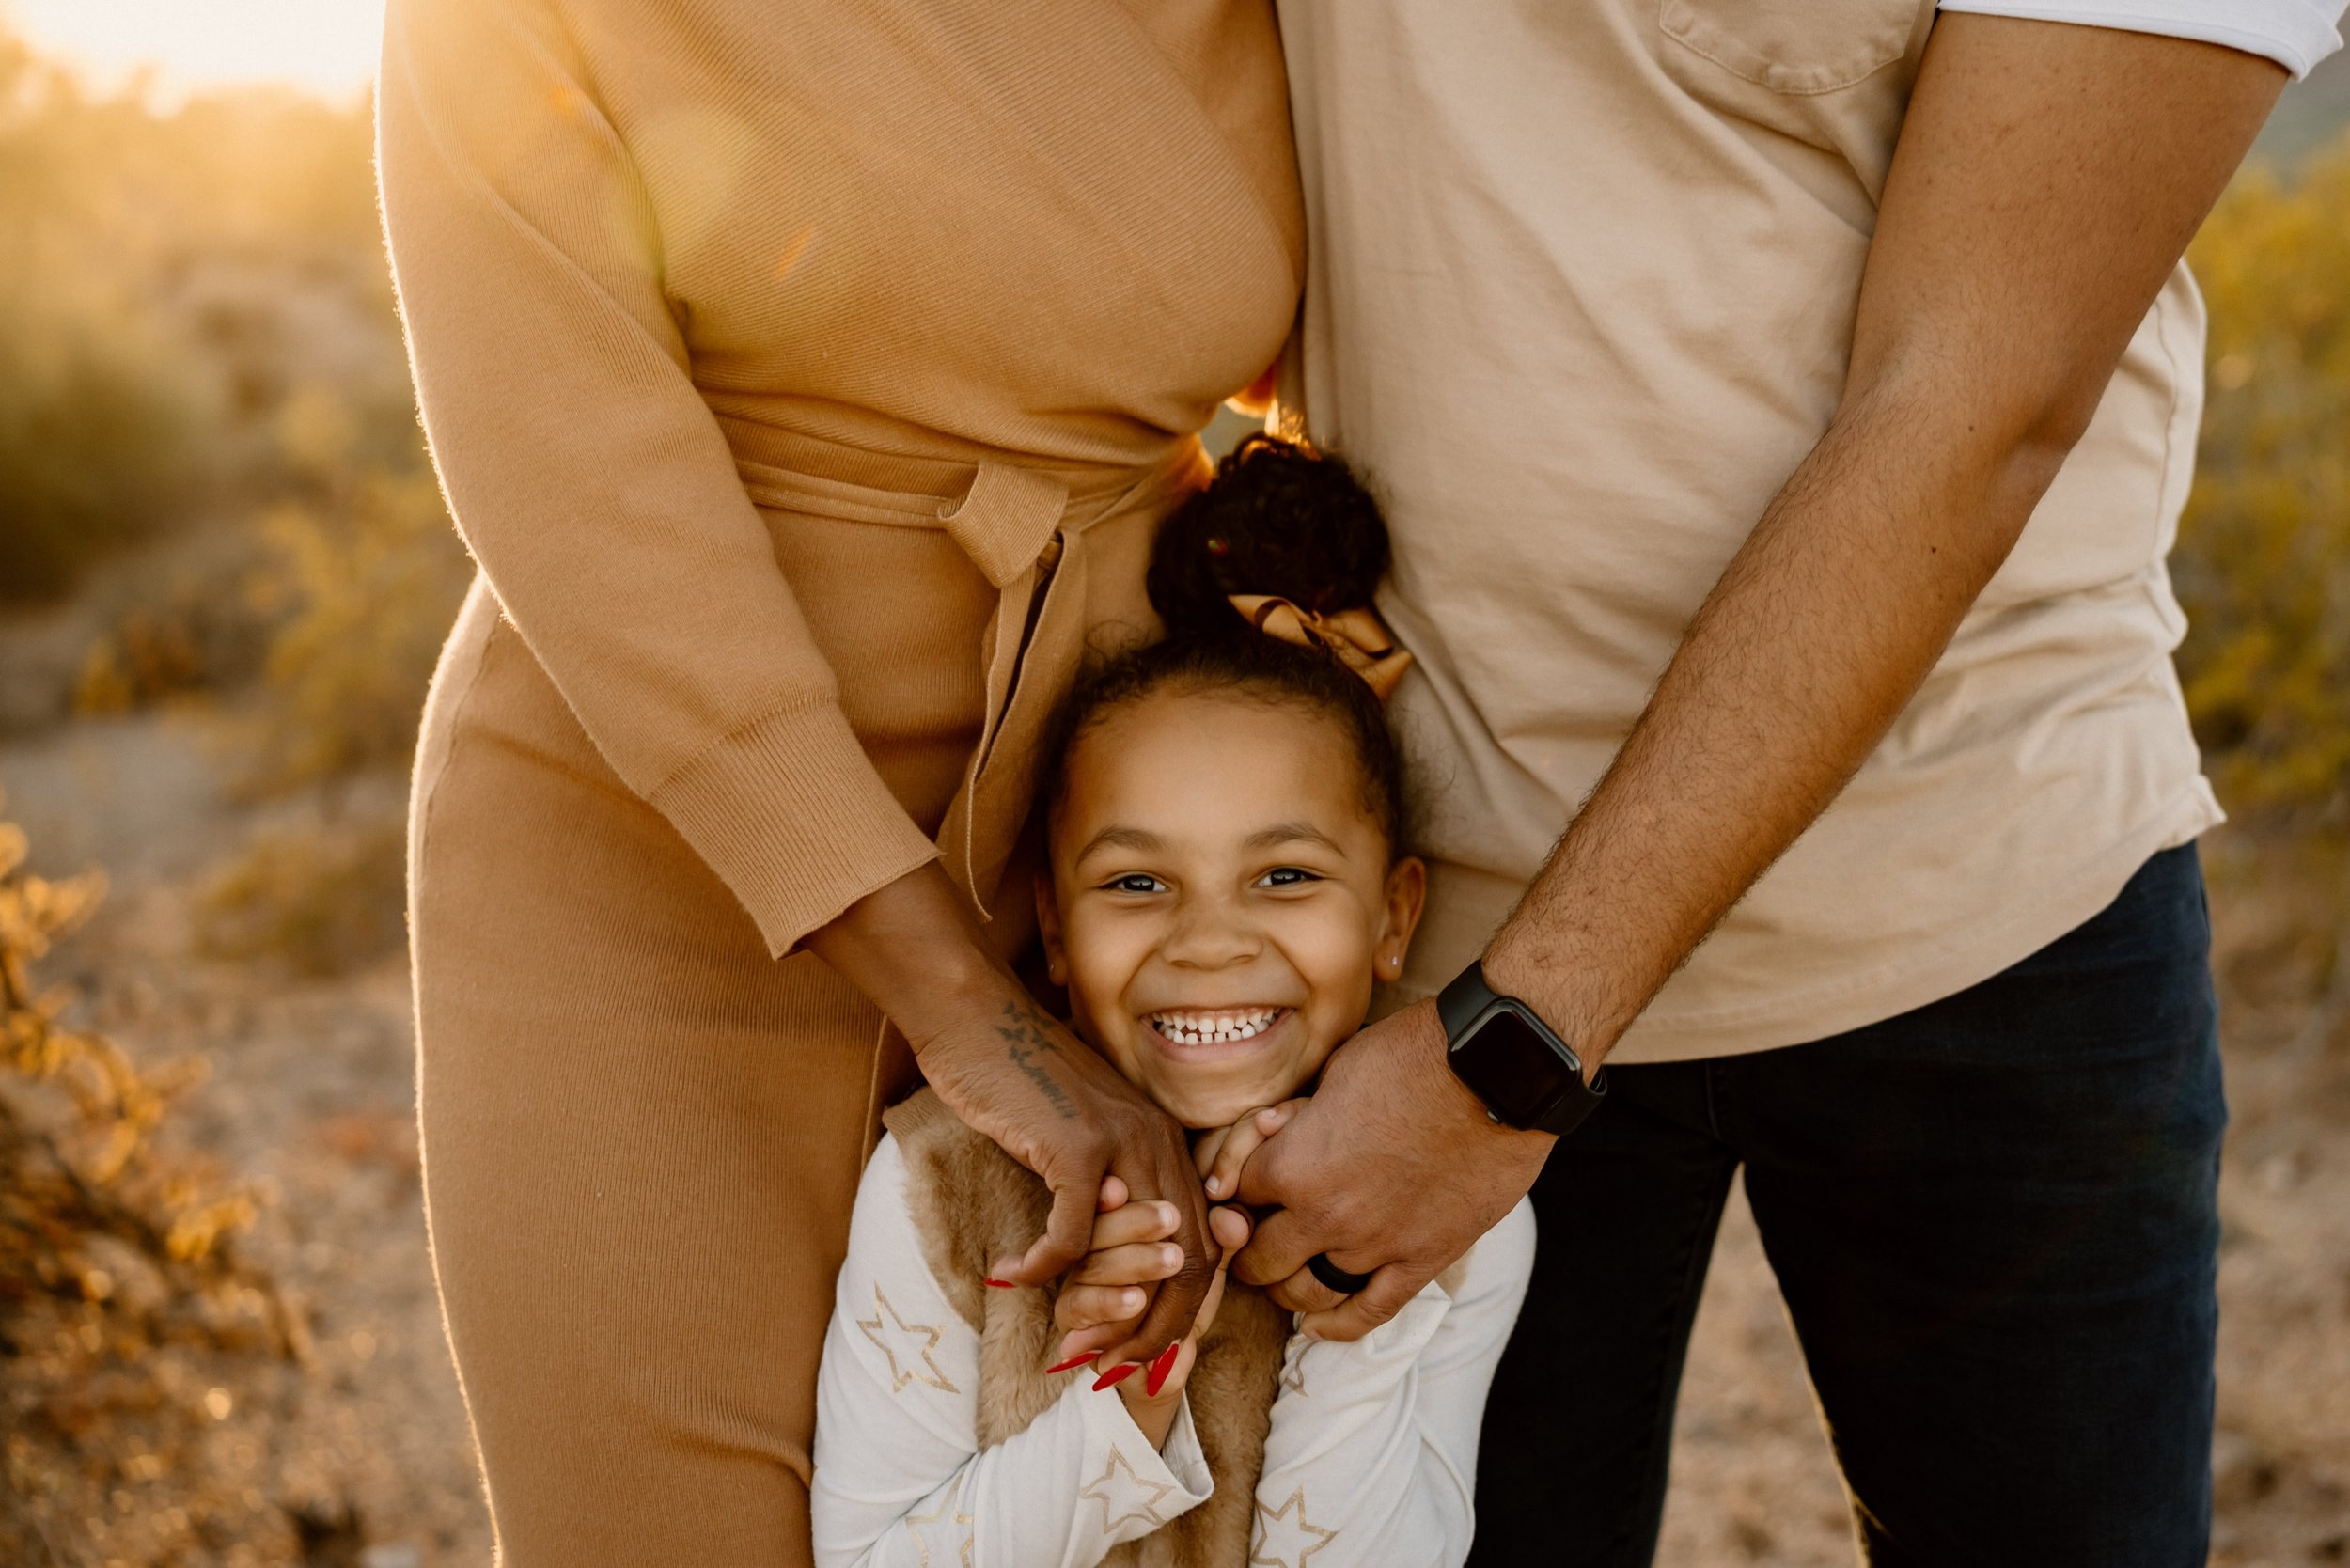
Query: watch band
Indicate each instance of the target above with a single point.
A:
(1555, 1101)
(1458, 1003)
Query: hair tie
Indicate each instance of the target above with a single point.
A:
(1356, 637)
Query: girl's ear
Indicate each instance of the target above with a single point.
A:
(1407, 894)
(1048, 929)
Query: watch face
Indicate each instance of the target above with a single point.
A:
(1512, 1067)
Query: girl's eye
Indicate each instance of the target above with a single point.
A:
(1136, 882)
(1287, 876)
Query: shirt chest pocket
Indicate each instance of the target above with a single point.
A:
(1833, 75)
(1798, 47)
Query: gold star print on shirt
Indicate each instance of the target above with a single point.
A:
(943, 1515)
(1284, 1539)
(908, 1346)
(1124, 1495)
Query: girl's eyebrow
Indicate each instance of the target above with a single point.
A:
(1122, 838)
(1292, 833)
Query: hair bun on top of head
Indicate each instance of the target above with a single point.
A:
(1289, 542)
(1280, 530)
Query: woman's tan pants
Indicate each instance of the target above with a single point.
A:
(642, 1139)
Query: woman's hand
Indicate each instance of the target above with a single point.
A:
(1103, 1295)
(1010, 1070)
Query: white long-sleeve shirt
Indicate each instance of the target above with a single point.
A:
(1371, 1457)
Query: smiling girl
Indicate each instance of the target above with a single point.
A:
(1227, 880)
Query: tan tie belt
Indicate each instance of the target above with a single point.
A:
(1025, 529)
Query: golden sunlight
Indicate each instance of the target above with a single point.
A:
(327, 47)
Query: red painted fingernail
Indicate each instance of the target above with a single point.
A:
(1003, 1284)
(1116, 1374)
(1074, 1362)
(1160, 1367)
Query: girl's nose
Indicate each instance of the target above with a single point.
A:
(1210, 937)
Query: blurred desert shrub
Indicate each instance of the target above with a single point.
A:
(369, 575)
(166, 279)
(199, 355)
(322, 897)
(90, 444)
(2263, 559)
(95, 426)
(191, 625)
(150, 1371)
(364, 579)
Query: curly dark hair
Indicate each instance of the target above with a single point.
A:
(1281, 519)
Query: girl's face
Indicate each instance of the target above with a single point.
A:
(1220, 898)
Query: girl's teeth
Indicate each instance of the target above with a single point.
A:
(1214, 1029)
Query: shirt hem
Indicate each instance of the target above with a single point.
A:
(1872, 1000)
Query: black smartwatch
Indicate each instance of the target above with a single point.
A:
(1527, 1076)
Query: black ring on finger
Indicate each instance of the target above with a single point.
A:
(1335, 1277)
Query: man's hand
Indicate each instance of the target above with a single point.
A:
(1393, 1168)
(1010, 1070)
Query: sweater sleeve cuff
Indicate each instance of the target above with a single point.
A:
(1185, 1460)
(791, 816)
(1137, 1487)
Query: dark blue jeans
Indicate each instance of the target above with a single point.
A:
(1996, 1223)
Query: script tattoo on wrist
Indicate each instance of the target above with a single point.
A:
(1026, 1038)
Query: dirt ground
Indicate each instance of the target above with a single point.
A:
(311, 1094)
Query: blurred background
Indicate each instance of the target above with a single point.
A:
(224, 572)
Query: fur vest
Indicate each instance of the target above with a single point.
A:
(974, 1204)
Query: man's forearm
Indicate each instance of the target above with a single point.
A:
(1809, 646)
(2047, 179)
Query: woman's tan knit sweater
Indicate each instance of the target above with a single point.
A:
(680, 278)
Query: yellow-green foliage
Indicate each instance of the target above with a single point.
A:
(370, 574)
(124, 1306)
(377, 589)
(93, 423)
(146, 263)
(366, 579)
(2263, 556)
(321, 899)
(103, 1149)
(149, 656)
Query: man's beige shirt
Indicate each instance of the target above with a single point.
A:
(1581, 292)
